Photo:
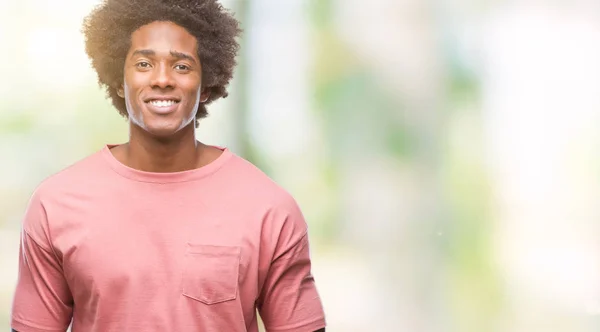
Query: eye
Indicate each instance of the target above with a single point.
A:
(143, 64)
(182, 67)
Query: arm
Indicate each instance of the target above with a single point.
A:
(289, 301)
(42, 300)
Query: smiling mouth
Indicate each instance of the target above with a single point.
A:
(162, 106)
(162, 103)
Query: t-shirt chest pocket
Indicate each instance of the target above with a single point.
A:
(211, 273)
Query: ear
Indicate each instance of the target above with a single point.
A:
(120, 92)
(204, 95)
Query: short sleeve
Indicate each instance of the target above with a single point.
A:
(42, 300)
(289, 301)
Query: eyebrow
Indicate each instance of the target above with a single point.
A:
(175, 54)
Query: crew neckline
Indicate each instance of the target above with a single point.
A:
(167, 177)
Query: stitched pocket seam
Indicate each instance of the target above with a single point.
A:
(211, 252)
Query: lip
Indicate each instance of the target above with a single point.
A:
(162, 110)
(161, 97)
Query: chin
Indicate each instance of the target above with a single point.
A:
(165, 129)
(161, 129)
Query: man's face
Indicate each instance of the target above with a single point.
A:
(163, 78)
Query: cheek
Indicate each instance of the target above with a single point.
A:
(130, 100)
(131, 86)
(194, 86)
(194, 92)
(127, 92)
(197, 96)
(133, 81)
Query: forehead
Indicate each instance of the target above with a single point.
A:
(163, 36)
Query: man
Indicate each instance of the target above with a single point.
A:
(163, 233)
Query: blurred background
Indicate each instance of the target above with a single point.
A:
(445, 153)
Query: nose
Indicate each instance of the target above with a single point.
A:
(162, 77)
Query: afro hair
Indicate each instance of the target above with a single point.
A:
(108, 29)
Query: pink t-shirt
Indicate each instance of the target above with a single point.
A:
(116, 249)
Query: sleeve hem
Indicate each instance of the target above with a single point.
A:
(22, 326)
(308, 327)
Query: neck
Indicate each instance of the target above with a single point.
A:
(178, 153)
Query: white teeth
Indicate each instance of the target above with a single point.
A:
(162, 103)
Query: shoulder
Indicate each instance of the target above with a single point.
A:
(76, 176)
(51, 194)
(257, 194)
(249, 180)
